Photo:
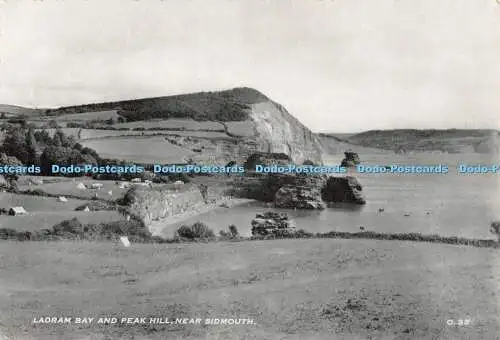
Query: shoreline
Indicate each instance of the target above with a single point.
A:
(157, 227)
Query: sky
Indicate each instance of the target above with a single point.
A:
(336, 65)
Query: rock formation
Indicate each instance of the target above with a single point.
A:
(300, 191)
(298, 197)
(266, 159)
(150, 205)
(271, 223)
(343, 190)
(351, 159)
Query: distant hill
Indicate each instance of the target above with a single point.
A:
(13, 110)
(449, 140)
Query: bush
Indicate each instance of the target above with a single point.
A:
(231, 234)
(37, 192)
(185, 232)
(72, 226)
(198, 230)
(96, 206)
(233, 230)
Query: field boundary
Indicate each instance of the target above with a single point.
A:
(301, 234)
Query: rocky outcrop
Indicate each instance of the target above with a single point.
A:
(343, 190)
(286, 191)
(272, 223)
(298, 197)
(351, 159)
(150, 205)
(266, 159)
(264, 188)
(300, 191)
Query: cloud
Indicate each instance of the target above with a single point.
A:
(341, 65)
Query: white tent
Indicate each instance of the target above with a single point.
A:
(81, 186)
(124, 240)
(178, 184)
(124, 185)
(110, 193)
(14, 211)
(86, 208)
(136, 180)
(62, 199)
(96, 185)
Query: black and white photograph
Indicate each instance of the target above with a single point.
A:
(249, 169)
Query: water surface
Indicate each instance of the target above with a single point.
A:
(450, 205)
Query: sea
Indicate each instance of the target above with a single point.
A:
(452, 204)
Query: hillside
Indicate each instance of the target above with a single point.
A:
(335, 145)
(13, 110)
(205, 127)
(226, 105)
(450, 140)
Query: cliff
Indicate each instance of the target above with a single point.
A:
(151, 205)
(279, 132)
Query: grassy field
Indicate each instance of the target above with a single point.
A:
(141, 150)
(292, 289)
(47, 219)
(73, 132)
(19, 110)
(187, 124)
(87, 116)
(68, 188)
(94, 134)
(37, 203)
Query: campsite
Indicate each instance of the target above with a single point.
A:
(121, 127)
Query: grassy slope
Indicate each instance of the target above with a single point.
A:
(141, 150)
(293, 289)
(430, 139)
(37, 203)
(67, 187)
(336, 146)
(202, 105)
(19, 110)
(47, 219)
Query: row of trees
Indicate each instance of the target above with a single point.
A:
(23, 143)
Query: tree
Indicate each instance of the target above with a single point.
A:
(56, 140)
(52, 124)
(42, 136)
(31, 146)
(66, 141)
(63, 156)
(14, 144)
